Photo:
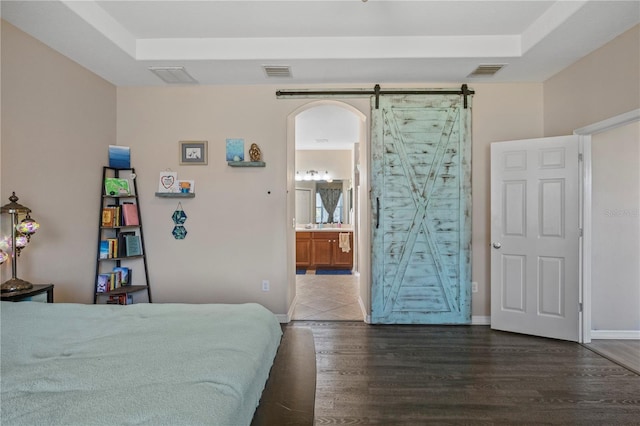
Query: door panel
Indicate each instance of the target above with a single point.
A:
(421, 192)
(321, 251)
(342, 258)
(535, 237)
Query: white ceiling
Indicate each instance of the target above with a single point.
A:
(326, 127)
(323, 41)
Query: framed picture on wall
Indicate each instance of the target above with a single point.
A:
(193, 153)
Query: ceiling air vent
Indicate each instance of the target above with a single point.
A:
(277, 70)
(486, 70)
(173, 75)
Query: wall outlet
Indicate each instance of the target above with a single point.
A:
(474, 286)
(265, 285)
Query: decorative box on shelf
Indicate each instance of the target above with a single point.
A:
(246, 163)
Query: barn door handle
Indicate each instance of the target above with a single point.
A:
(377, 212)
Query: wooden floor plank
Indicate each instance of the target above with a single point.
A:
(289, 394)
(414, 375)
(623, 352)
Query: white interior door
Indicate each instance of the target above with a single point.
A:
(535, 285)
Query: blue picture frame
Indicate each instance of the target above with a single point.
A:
(235, 149)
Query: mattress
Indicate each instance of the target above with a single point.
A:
(143, 364)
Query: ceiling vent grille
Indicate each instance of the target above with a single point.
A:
(173, 75)
(486, 70)
(278, 71)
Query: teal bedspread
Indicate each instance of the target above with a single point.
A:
(142, 364)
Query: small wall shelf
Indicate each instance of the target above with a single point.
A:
(175, 194)
(246, 163)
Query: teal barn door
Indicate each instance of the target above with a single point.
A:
(421, 201)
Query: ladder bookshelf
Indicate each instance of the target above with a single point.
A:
(121, 258)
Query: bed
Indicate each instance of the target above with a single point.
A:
(149, 364)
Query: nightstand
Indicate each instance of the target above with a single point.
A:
(16, 296)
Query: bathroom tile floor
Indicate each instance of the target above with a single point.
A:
(327, 298)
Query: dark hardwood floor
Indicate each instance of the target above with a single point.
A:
(423, 375)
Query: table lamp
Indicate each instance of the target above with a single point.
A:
(21, 232)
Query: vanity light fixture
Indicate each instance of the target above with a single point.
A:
(313, 175)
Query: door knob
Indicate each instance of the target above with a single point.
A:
(496, 245)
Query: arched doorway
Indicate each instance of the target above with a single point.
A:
(326, 137)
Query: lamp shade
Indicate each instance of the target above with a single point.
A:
(21, 241)
(27, 226)
(5, 243)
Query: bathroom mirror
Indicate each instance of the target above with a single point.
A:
(315, 199)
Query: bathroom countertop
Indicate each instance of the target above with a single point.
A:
(324, 229)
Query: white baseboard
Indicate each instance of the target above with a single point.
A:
(480, 320)
(367, 318)
(285, 319)
(615, 334)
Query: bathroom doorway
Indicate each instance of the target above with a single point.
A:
(327, 141)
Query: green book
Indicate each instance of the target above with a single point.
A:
(116, 187)
(133, 246)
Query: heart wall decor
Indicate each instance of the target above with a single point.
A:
(168, 182)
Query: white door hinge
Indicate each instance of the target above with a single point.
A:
(580, 157)
(580, 306)
(581, 233)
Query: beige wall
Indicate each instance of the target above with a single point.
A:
(237, 223)
(58, 119)
(57, 122)
(616, 229)
(238, 231)
(604, 84)
(337, 162)
(601, 85)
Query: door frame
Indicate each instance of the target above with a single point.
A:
(586, 221)
(362, 221)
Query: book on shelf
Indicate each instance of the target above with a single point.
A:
(113, 247)
(107, 216)
(130, 214)
(125, 275)
(116, 187)
(122, 243)
(103, 283)
(111, 216)
(120, 299)
(104, 249)
(117, 214)
(115, 280)
(133, 246)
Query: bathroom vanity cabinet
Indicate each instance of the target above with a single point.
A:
(321, 249)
